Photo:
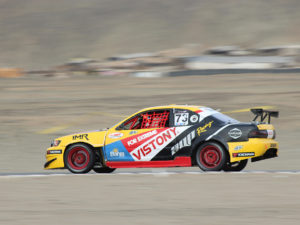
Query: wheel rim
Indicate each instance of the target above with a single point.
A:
(78, 158)
(210, 156)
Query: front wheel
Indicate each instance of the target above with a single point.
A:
(211, 156)
(104, 170)
(235, 166)
(79, 158)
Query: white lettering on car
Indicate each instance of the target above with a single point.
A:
(152, 147)
(142, 137)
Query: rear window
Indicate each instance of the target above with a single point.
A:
(224, 118)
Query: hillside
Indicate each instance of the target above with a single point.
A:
(36, 34)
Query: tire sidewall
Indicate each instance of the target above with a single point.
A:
(90, 163)
(223, 156)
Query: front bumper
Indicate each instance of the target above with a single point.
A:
(254, 148)
(54, 158)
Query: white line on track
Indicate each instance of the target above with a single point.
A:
(32, 175)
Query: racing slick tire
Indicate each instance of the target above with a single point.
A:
(211, 156)
(235, 166)
(79, 158)
(104, 170)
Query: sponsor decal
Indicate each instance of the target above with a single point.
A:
(194, 118)
(115, 153)
(235, 133)
(133, 132)
(184, 142)
(54, 152)
(115, 135)
(243, 154)
(181, 119)
(203, 129)
(148, 149)
(141, 137)
(81, 137)
(238, 147)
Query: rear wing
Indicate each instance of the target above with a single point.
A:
(263, 114)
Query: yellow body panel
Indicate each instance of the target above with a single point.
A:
(95, 139)
(258, 146)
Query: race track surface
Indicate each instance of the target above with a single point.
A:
(199, 198)
(35, 110)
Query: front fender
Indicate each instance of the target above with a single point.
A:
(55, 155)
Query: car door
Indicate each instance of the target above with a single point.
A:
(143, 137)
(185, 121)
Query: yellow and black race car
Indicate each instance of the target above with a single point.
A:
(168, 136)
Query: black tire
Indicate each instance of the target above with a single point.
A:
(235, 166)
(79, 158)
(211, 156)
(104, 170)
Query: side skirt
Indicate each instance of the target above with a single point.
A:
(179, 161)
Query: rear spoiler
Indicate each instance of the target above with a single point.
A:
(263, 114)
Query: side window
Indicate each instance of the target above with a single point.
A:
(147, 120)
(133, 123)
(156, 119)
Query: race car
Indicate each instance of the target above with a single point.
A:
(168, 136)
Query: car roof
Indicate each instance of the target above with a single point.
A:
(187, 107)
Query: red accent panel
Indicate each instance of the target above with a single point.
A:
(135, 141)
(179, 161)
(198, 111)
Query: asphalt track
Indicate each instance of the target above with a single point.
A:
(151, 198)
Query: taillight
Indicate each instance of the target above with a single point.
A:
(258, 134)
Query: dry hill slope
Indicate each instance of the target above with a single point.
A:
(39, 33)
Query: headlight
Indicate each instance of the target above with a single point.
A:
(55, 143)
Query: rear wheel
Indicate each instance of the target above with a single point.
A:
(235, 166)
(211, 156)
(104, 170)
(79, 158)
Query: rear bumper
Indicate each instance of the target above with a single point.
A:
(255, 148)
(270, 153)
